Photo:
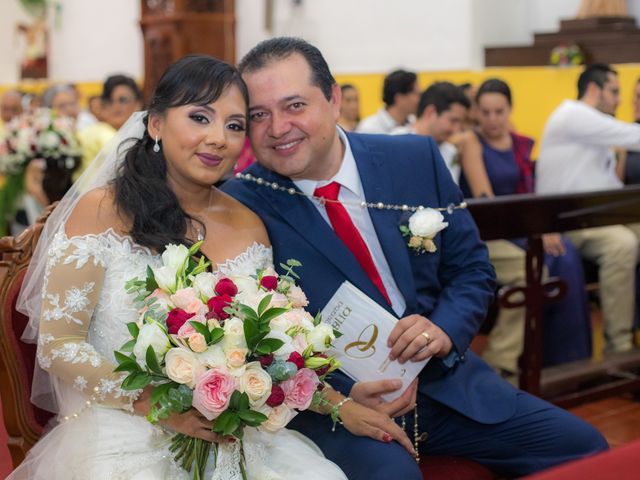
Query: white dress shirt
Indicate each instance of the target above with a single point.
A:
(448, 151)
(380, 122)
(575, 152)
(351, 194)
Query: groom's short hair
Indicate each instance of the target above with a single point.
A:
(279, 48)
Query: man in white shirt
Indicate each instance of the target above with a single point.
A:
(441, 111)
(400, 95)
(576, 156)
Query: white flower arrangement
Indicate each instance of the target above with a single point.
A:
(423, 226)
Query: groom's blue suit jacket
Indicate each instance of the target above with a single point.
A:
(452, 287)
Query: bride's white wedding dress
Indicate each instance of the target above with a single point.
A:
(84, 315)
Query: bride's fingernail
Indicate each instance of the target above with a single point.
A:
(387, 438)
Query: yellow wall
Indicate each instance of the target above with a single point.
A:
(536, 91)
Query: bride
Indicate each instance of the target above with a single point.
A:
(114, 222)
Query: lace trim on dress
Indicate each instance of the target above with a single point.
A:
(255, 256)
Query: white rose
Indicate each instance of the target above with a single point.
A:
(213, 357)
(166, 278)
(256, 383)
(426, 223)
(236, 357)
(204, 284)
(183, 366)
(48, 140)
(151, 334)
(246, 285)
(233, 334)
(287, 347)
(321, 337)
(281, 323)
(176, 256)
(277, 418)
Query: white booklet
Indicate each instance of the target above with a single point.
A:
(362, 348)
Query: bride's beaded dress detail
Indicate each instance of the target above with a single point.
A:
(85, 310)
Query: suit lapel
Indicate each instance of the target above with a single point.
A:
(300, 213)
(375, 174)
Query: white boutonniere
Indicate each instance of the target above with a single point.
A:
(423, 227)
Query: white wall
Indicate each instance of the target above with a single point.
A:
(97, 37)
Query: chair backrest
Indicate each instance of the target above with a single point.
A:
(24, 422)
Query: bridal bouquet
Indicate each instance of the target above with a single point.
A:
(39, 135)
(240, 349)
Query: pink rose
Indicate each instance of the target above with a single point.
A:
(176, 318)
(269, 282)
(277, 396)
(187, 300)
(297, 296)
(226, 287)
(217, 305)
(299, 390)
(213, 392)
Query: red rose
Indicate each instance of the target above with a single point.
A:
(269, 282)
(217, 305)
(296, 359)
(226, 287)
(265, 360)
(177, 317)
(277, 396)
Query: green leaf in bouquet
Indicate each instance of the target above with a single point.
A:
(252, 333)
(264, 303)
(151, 284)
(185, 396)
(136, 381)
(243, 402)
(405, 230)
(269, 345)
(201, 267)
(272, 313)
(133, 328)
(317, 319)
(128, 347)
(129, 366)
(202, 329)
(226, 423)
(252, 418)
(216, 335)
(307, 351)
(292, 262)
(152, 360)
(191, 266)
(195, 247)
(122, 358)
(162, 390)
(337, 333)
(248, 313)
(234, 401)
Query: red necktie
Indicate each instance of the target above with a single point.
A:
(349, 234)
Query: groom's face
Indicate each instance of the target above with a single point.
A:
(292, 125)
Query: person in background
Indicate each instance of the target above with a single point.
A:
(10, 106)
(471, 121)
(576, 156)
(629, 161)
(400, 94)
(496, 161)
(121, 96)
(441, 112)
(349, 108)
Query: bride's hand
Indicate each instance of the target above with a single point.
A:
(191, 423)
(366, 422)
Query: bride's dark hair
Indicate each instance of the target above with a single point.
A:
(141, 190)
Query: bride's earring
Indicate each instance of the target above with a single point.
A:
(156, 146)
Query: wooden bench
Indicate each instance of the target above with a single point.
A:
(516, 216)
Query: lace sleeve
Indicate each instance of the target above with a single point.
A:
(73, 280)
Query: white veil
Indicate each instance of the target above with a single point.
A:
(100, 172)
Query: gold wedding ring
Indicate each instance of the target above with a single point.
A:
(426, 335)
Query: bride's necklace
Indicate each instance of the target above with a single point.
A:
(374, 205)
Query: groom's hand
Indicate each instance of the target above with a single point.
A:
(370, 394)
(365, 422)
(416, 338)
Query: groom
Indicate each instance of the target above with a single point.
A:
(441, 297)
